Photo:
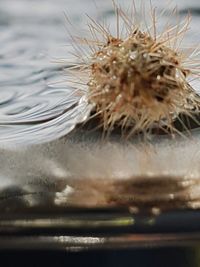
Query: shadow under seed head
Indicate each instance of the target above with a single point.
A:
(138, 82)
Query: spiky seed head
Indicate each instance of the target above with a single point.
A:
(137, 82)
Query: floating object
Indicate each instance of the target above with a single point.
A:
(137, 81)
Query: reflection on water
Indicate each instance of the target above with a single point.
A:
(81, 171)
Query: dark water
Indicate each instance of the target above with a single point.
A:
(141, 258)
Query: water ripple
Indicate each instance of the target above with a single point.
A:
(33, 35)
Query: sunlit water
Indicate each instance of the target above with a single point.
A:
(35, 105)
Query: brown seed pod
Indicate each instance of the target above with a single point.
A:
(139, 81)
